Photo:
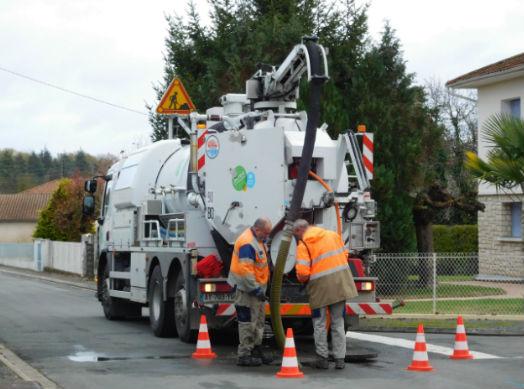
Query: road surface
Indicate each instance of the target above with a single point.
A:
(60, 331)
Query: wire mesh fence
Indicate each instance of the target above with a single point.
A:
(451, 283)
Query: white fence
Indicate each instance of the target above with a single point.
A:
(64, 256)
(70, 257)
(17, 255)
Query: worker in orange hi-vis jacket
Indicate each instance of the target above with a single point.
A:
(322, 262)
(249, 274)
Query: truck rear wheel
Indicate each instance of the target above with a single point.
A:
(161, 316)
(183, 311)
(115, 308)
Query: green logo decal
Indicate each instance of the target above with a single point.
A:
(239, 178)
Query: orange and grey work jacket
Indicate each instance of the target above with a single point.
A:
(321, 261)
(249, 268)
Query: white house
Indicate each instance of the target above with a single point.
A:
(500, 88)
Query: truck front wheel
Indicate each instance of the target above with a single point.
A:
(115, 308)
(160, 311)
(182, 311)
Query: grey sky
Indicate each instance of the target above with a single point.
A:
(112, 50)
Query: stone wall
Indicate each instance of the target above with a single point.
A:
(499, 253)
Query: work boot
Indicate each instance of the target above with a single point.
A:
(259, 354)
(340, 363)
(248, 360)
(321, 363)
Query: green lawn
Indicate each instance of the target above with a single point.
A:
(444, 324)
(446, 290)
(510, 306)
(456, 277)
(443, 278)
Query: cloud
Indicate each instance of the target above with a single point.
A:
(444, 39)
(113, 50)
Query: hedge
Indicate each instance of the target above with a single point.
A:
(455, 239)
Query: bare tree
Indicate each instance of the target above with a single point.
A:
(457, 112)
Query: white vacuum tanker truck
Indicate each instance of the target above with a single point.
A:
(175, 203)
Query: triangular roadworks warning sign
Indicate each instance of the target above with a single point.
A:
(175, 100)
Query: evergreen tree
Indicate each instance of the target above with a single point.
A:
(20, 167)
(47, 162)
(393, 108)
(35, 168)
(218, 60)
(7, 172)
(20, 171)
(368, 84)
(82, 162)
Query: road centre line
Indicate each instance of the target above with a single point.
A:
(409, 344)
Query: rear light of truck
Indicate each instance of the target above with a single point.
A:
(365, 286)
(215, 287)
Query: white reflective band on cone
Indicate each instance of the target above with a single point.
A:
(420, 338)
(461, 345)
(289, 362)
(290, 342)
(420, 356)
(461, 329)
(204, 344)
(203, 328)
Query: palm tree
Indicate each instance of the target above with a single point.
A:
(504, 166)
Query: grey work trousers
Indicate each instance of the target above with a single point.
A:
(337, 312)
(251, 317)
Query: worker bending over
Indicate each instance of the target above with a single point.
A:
(249, 274)
(322, 262)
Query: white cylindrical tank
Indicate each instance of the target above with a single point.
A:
(163, 164)
(173, 177)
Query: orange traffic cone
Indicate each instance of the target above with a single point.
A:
(289, 367)
(203, 347)
(461, 350)
(420, 360)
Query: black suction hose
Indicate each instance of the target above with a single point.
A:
(313, 118)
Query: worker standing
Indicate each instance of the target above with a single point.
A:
(249, 274)
(322, 262)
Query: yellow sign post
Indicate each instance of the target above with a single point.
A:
(176, 100)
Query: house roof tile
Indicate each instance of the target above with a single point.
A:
(46, 187)
(22, 206)
(504, 65)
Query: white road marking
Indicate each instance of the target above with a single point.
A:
(23, 369)
(409, 344)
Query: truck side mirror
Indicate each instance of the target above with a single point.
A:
(88, 205)
(90, 186)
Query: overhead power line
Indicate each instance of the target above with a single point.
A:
(48, 84)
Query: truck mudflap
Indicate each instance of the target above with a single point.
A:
(303, 310)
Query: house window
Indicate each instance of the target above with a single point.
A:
(512, 107)
(516, 220)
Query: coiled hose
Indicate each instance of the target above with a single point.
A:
(335, 202)
(313, 115)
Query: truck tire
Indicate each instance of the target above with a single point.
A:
(115, 308)
(182, 311)
(161, 316)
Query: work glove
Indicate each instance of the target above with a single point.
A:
(258, 293)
